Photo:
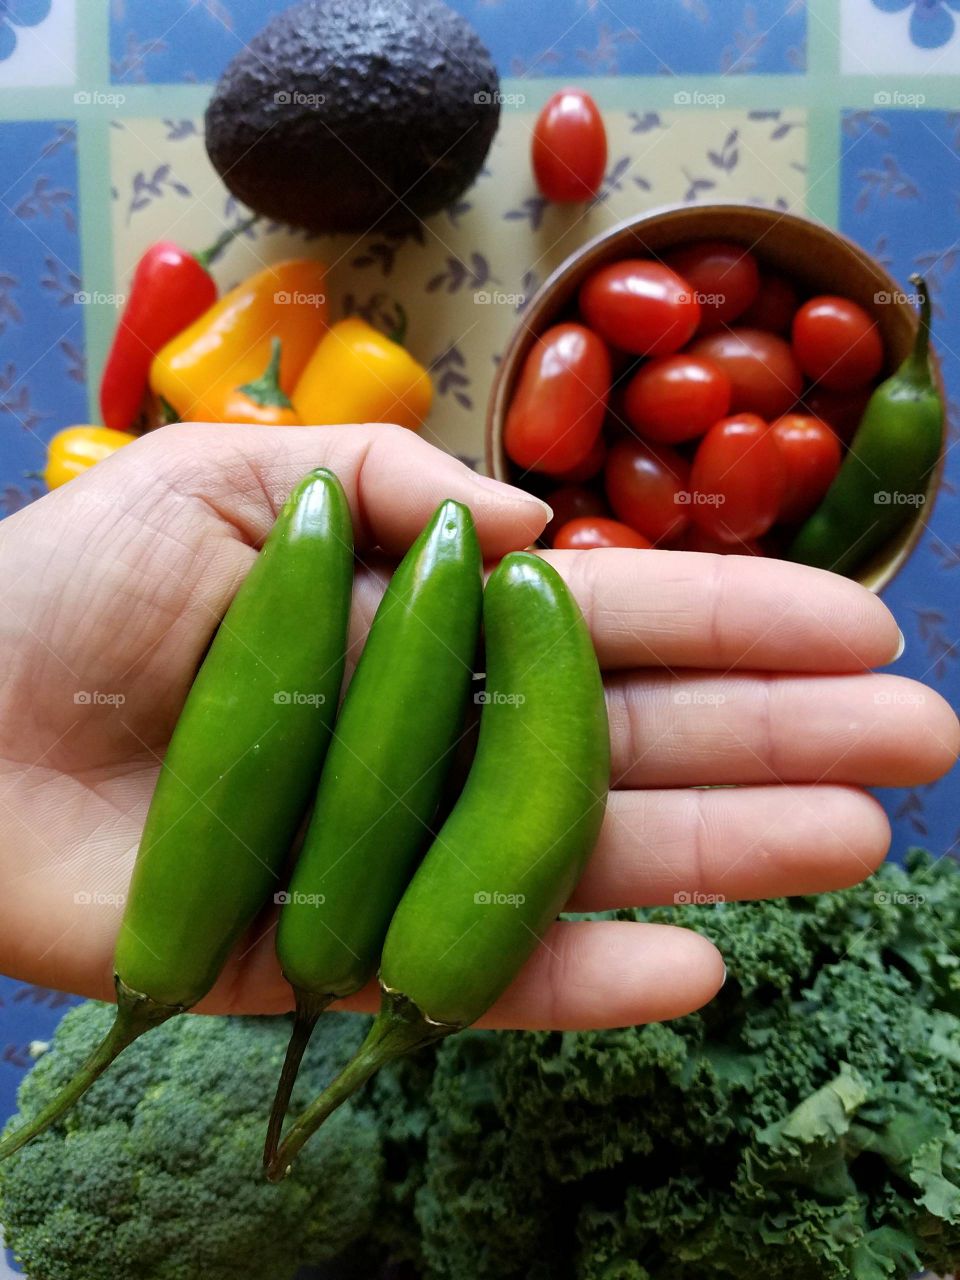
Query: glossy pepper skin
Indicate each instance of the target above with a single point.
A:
(238, 775)
(262, 402)
(230, 344)
(170, 289)
(358, 374)
(382, 779)
(516, 842)
(75, 450)
(884, 476)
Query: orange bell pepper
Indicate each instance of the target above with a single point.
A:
(75, 450)
(262, 402)
(357, 374)
(229, 345)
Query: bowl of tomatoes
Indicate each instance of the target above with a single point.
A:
(692, 378)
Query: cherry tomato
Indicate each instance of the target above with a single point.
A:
(763, 373)
(836, 343)
(591, 466)
(812, 454)
(841, 410)
(558, 406)
(722, 274)
(640, 306)
(675, 398)
(571, 502)
(648, 486)
(773, 307)
(697, 539)
(738, 479)
(569, 150)
(597, 531)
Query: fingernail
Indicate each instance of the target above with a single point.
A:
(723, 980)
(900, 646)
(509, 493)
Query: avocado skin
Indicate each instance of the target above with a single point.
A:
(398, 135)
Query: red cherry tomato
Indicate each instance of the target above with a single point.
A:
(738, 479)
(722, 274)
(675, 398)
(836, 343)
(812, 454)
(571, 502)
(597, 531)
(557, 409)
(591, 466)
(763, 373)
(640, 306)
(569, 150)
(648, 486)
(841, 410)
(773, 307)
(697, 539)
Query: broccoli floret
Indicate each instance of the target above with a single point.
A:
(156, 1172)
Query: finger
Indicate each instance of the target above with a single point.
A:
(394, 480)
(602, 974)
(869, 730)
(689, 609)
(729, 844)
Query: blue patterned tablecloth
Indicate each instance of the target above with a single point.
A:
(861, 93)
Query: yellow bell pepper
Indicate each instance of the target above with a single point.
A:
(357, 374)
(76, 449)
(231, 343)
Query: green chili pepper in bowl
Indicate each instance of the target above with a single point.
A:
(885, 474)
(237, 778)
(401, 719)
(516, 842)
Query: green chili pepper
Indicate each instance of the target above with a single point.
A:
(516, 842)
(381, 783)
(884, 476)
(237, 777)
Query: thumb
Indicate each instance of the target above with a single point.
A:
(394, 480)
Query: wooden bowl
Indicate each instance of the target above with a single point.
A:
(816, 258)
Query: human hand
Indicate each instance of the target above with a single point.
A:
(718, 670)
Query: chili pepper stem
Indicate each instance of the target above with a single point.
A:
(266, 389)
(309, 1008)
(916, 367)
(398, 1029)
(206, 256)
(136, 1014)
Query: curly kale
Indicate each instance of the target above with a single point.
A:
(156, 1172)
(807, 1121)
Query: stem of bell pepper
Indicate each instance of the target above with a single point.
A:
(266, 389)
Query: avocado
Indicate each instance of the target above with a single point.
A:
(345, 115)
